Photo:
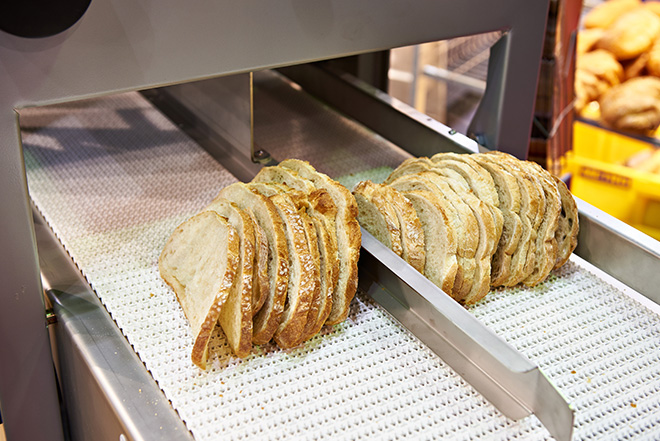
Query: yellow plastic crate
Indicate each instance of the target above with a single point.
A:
(600, 178)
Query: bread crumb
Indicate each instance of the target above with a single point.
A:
(633, 404)
(573, 372)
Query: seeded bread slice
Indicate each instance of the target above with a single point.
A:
(199, 262)
(462, 221)
(377, 216)
(440, 238)
(267, 320)
(568, 225)
(236, 315)
(260, 285)
(303, 291)
(509, 196)
(349, 236)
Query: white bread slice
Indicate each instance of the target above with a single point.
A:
(440, 238)
(267, 320)
(568, 226)
(349, 236)
(236, 314)
(412, 234)
(199, 262)
(477, 178)
(377, 216)
(322, 212)
(546, 240)
(524, 258)
(290, 178)
(260, 284)
(303, 291)
(462, 221)
(487, 232)
(510, 198)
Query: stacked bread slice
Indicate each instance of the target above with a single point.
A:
(273, 259)
(480, 220)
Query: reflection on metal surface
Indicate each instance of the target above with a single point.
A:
(109, 392)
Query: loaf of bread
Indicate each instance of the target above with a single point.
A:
(606, 13)
(511, 221)
(633, 106)
(631, 34)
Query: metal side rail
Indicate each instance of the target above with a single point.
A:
(620, 250)
(110, 394)
(506, 378)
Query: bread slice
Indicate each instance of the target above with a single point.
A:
(487, 232)
(461, 219)
(377, 216)
(290, 178)
(349, 236)
(524, 258)
(260, 285)
(409, 167)
(412, 234)
(267, 320)
(322, 212)
(440, 238)
(199, 261)
(510, 199)
(236, 315)
(568, 225)
(477, 178)
(546, 243)
(303, 291)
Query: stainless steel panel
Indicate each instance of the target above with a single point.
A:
(109, 395)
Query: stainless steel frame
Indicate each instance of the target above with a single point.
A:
(119, 46)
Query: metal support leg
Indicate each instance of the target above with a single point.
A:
(504, 118)
(28, 392)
